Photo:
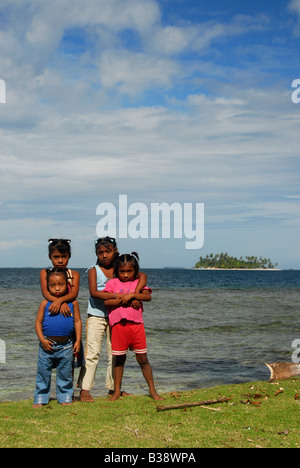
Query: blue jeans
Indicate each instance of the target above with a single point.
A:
(61, 358)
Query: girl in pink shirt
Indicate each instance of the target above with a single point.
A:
(126, 321)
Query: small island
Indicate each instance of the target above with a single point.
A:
(223, 261)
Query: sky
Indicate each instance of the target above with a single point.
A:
(157, 101)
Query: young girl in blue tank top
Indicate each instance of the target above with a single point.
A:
(59, 251)
(55, 332)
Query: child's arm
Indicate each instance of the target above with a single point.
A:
(144, 295)
(104, 295)
(113, 302)
(47, 345)
(142, 277)
(44, 289)
(72, 295)
(78, 327)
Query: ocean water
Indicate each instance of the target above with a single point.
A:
(203, 328)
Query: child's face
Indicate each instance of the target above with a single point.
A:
(126, 272)
(106, 255)
(59, 259)
(57, 285)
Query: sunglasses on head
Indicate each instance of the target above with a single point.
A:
(59, 241)
(106, 239)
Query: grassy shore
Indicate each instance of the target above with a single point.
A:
(259, 414)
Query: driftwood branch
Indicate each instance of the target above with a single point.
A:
(189, 405)
(283, 370)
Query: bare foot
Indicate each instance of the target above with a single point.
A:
(37, 406)
(115, 396)
(66, 404)
(123, 393)
(86, 396)
(156, 396)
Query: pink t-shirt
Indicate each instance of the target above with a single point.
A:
(116, 314)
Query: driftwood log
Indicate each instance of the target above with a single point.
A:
(190, 405)
(283, 370)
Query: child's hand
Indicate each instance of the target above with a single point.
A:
(59, 306)
(47, 345)
(55, 307)
(136, 304)
(76, 347)
(127, 298)
(65, 310)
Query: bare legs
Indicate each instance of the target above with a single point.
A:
(144, 363)
(118, 374)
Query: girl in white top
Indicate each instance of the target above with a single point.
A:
(97, 322)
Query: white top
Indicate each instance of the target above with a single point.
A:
(96, 306)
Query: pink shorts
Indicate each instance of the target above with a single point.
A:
(128, 335)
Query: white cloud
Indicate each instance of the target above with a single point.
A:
(213, 145)
(294, 5)
(6, 245)
(100, 104)
(116, 15)
(171, 40)
(131, 73)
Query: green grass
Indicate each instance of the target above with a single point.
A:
(259, 414)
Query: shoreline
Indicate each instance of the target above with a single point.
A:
(235, 269)
(213, 388)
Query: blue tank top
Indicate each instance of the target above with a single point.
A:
(58, 325)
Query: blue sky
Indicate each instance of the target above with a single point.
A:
(163, 101)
